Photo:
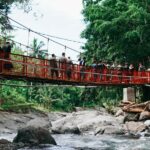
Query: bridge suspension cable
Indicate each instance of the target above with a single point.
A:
(53, 36)
(27, 46)
(39, 33)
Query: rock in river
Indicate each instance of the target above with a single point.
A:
(34, 136)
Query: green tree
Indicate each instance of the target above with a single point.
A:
(37, 52)
(66, 98)
(117, 29)
(5, 8)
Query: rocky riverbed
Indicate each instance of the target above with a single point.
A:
(82, 123)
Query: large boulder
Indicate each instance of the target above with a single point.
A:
(144, 115)
(66, 129)
(134, 127)
(7, 145)
(110, 130)
(87, 121)
(34, 136)
(119, 113)
(147, 123)
(4, 141)
(40, 122)
(131, 117)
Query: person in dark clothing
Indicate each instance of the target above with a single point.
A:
(79, 60)
(53, 66)
(82, 64)
(141, 67)
(7, 51)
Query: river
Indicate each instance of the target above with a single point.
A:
(90, 142)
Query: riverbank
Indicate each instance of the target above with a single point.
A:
(88, 122)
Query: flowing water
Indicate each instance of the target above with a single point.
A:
(89, 142)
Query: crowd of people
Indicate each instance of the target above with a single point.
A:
(97, 71)
(111, 70)
(62, 67)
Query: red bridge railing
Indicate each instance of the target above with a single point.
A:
(30, 67)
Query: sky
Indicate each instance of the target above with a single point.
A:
(60, 18)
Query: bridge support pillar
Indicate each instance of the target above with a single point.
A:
(128, 94)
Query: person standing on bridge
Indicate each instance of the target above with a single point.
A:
(101, 67)
(112, 71)
(94, 70)
(126, 72)
(82, 63)
(141, 73)
(119, 72)
(7, 51)
(53, 66)
(69, 68)
(108, 71)
(141, 67)
(131, 71)
(62, 64)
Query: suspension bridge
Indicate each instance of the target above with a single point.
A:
(39, 70)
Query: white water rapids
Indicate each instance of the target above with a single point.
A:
(90, 142)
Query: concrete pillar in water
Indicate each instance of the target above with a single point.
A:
(128, 94)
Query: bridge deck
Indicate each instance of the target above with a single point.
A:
(39, 70)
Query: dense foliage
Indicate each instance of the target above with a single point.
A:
(5, 8)
(5, 5)
(117, 30)
(37, 51)
(17, 95)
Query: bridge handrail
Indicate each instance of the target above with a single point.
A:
(48, 67)
(89, 72)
